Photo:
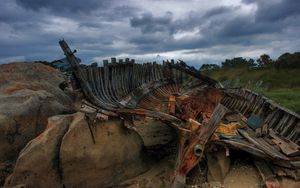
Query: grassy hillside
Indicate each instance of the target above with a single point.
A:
(282, 86)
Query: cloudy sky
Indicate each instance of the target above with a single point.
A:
(196, 31)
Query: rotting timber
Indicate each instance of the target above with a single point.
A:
(200, 110)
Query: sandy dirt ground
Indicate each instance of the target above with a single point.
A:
(158, 176)
(242, 174)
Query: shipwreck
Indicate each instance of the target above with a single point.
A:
(202, 113)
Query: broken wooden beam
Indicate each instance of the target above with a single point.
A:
(193, 152)
(288, 148)
(266, 174)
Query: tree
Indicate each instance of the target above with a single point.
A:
(288, 60)
(251, 63)
(207, 67)
(238, 62)
(264, 60)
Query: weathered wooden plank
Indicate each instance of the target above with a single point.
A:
(191, 154)
(263, 145)
(245, 146)
(290, 125)
(249, 104)
(212, 124)
(283, 121)
(271, 115)
(267, 175)
(288, 148)
(276, 118)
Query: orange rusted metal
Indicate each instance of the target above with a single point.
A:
(192, 145)
(199, 104)
(171, 105)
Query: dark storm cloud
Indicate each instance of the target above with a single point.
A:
(125, 11)
(149, 24)
(215, 31)
(218, 11)
(270, 18)
(146, 39)
(107, 10)
(250, 1)
(65, 5)
(10, 13)
(101, 28)
(228, 26)
(32, 28)
(243, 26)
(278, 11)
(275, 10)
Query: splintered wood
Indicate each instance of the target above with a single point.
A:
(192, 153)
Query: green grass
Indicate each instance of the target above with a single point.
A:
(282, 86)
(289, 98)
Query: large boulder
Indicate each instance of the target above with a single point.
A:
(29, 94)
(114, 157)
(65, 155)
(38, 162)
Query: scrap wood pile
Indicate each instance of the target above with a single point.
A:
(270, 133)
(200, 110)
(273, 156)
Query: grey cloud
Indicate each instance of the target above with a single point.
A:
(82, 11)
(270, 18)
(275, 10)
(125, 11)
(149, 24)
(10, 13)
(250, 1)
(244, 26)
(233, 29)
(218, 11)
(108, 28)
(65, 5)
(278, 11)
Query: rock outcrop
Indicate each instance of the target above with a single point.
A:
(39, 160)
(65, 155)
(29, 94)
